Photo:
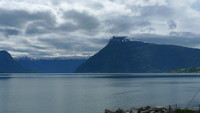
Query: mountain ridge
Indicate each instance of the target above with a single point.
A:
(122, 55)
(9, 65)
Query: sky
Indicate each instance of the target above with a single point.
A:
(80, 28)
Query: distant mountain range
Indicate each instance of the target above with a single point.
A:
(122, 55)
(9, 65)
(28, 65)
(51, 65)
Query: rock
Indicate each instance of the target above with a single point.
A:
(119, 111)
(108, 111)
(134, 111)
(145, 109)
(159, 112)
(152, 112)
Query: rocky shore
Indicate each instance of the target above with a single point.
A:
(146, 109)
(151, 109)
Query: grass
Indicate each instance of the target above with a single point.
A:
(184, 111)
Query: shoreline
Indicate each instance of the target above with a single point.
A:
(154, 109)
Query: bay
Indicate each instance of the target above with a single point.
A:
(93, 93)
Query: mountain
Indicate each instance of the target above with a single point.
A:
(9, 65)
(121, 55)
(52, 65)
(187, 70)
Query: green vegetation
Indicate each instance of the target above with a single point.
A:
(187, 70)
(184, 111)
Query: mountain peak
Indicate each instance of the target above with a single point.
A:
(9, 65)
(4, 54)
(119, 39)
(125, 41)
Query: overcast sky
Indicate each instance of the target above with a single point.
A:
(65, 28)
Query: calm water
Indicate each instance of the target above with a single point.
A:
(68, 93)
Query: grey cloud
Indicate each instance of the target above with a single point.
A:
(156, 11)
(189, 40)
(42, 27)
(129, 23)
(148, 29)
(97, 6)
(32, 45)
(82, 20)
(59, 44)
(38, 28)
(184, 34)
(172, 25)
(29, 49)
(126, 23)
(101, 41)
(33, 53)
(37, 53)
(8, 32)
(68, 27)
(74, 44)
(18, 18)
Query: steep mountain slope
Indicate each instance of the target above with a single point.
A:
(53, 65)
(9, 65)
(124, 56)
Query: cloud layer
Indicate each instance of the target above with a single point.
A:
(65, 28)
